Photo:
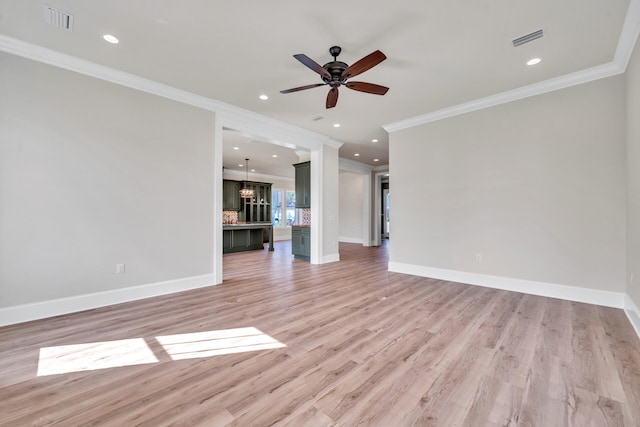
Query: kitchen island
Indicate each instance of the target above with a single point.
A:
(245, 237)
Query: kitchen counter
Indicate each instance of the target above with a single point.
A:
(247, 225)
(245, 237)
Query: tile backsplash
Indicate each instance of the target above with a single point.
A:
(304, 216)
(229, 217)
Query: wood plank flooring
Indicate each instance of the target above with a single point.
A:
(282, 342)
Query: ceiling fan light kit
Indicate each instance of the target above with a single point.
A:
(335, 74)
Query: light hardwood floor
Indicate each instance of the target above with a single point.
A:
(356, 345)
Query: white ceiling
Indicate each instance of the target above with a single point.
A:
(264, 158)
(440, 53)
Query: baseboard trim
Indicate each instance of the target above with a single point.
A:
(330, 258)
(56, 307)
(565, 292)
(633, 313)
(350, 240)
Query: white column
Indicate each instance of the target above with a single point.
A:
(324, 205)
(217, 200)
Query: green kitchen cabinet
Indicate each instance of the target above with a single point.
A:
(303, 184)
(231, 195)
(257, 208)
(246, 237)
(301, 242)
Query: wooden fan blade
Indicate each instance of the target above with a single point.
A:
(310, 63)
(364, 64)
(332, 97)
(367, 87)
(295, 89)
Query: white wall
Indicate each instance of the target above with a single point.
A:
(633, 187)
(351, 207)
(536, 186)
(93, 174)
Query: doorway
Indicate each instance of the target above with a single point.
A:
(385, 213)
(385, 209)
(272, 174)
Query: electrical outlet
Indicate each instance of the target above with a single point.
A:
(478, 257)
(119, 268)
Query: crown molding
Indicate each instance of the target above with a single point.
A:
(278, 132)
(628, 35)
(257, 176)
(550, 85)
(624, 49)
(60, 60)
(348, 165)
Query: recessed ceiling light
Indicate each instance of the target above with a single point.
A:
(376, 160)
(253, 170)
(357, 154)
(263, 97)
(274, 155)
(240, 165)
(336, 125)
(111, 39)
(534, 61)
(236, 148)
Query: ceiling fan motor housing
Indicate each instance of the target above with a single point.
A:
(335, 68)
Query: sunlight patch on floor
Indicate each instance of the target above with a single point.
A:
(137, 351)
(92, 356)
(215, 343)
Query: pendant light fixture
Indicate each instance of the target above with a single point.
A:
(246, 193)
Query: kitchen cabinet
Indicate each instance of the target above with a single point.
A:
(301, 242)
(245, 237)
(258, 208)
(231, 195)
(303, 184)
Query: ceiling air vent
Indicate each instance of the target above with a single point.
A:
(58, 18)
(528, 38)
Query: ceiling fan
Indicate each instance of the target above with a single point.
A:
(336, 73)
